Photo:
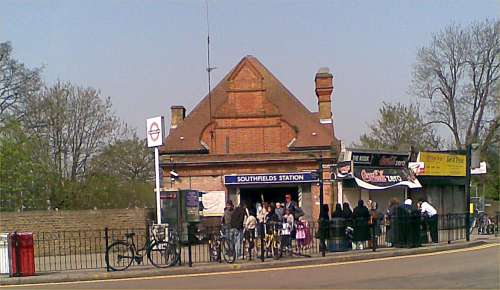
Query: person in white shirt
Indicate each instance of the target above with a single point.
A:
(249, 230)
(431, 218)
(287, 227)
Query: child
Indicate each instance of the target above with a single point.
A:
(300, 234)
(286, 240)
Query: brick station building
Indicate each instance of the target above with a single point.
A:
(251, 139)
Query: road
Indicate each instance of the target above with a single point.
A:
(466, 268)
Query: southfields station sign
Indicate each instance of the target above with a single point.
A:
(299, 177)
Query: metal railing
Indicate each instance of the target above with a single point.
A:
(76, 250)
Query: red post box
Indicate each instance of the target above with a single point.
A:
(22, 253)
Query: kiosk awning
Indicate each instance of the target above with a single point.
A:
(382, 178)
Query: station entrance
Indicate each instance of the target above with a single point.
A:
(272, 194)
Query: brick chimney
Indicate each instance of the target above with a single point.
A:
(324, 88)
(178, 114)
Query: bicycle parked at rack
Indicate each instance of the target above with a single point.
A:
(272, 240)
(248, 247)
(162, 250)
(221, 247)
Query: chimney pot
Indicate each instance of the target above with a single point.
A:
(178, 113)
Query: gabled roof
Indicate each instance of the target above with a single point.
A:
(311, 134)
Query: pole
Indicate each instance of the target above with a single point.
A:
(322, 223)
(467, 192)
(157, 174)
(106, 243)
(189, 236)
(320, 171)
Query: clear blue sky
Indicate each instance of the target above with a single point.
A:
(149, 55)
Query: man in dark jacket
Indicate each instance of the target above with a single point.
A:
(293, 206)
(237, 219)
(360, 217)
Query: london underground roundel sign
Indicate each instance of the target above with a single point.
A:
(155, 131)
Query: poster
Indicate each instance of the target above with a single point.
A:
(214, 203)
(191, 205)
(442, 164)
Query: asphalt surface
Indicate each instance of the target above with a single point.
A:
(467, 268)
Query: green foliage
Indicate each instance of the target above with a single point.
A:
(399, 127)
(24, 179)
(490, 182)
(121, 176)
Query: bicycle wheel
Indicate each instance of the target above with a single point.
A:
(163, 254)
(119, 256)
(276, 248)
(213, 250)
(228, 251)
(258, 248)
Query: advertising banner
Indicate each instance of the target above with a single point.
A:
(380, 159)
(442, 164)
(382, 178)
(342, 170)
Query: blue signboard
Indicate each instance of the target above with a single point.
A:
(272, 178)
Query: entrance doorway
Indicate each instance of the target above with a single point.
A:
(253, 195)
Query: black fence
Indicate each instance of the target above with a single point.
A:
(75, 250)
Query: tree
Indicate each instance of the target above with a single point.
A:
(128, 159)
(17, 83)
(458, 72)
(121, 175)
(24, 174)
(76, 122)
(399, 127)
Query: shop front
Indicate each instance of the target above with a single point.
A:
(443, 175)
(375, 175)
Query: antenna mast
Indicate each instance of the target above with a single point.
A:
(209, 68)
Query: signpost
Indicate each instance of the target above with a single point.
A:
(155, 135)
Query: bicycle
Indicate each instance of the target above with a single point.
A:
(249, 243)
(162, 251)
(220, 247)
(272, 240)
(486, 226)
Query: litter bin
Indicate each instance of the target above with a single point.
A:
(22, 253)
(4, 253)
(338, 240)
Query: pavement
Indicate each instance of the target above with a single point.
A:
(339, 257)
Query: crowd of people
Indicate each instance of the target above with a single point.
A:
(249, 222)
(406, 224)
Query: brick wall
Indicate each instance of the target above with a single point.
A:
(73, 220)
